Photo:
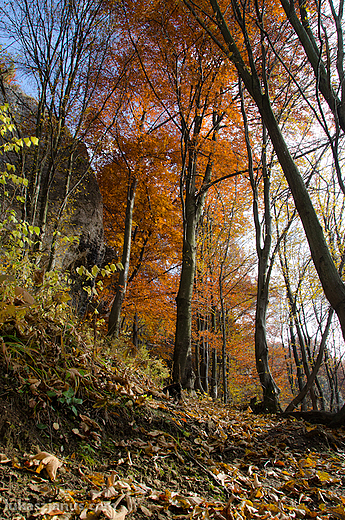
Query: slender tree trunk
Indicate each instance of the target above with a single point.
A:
(214, 388)
(296, 358)
(225, 362)
(198, 384)
(204, 367)
(115, 313)
(270, 389)
(135, 335)
(182, 369)
(263, 235)
(223, 326)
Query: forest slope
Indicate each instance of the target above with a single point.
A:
(127, 451)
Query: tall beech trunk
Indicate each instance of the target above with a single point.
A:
(182, 369)
(193, 203)
(115, 313)
(269, 388)
(223, 327)
(263, 236)
(204, 367)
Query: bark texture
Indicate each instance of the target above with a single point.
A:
(115, 313)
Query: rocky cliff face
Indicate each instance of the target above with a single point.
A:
(74, 205)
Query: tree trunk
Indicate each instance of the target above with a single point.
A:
(135, 334)
(223, 327)
(204, 367)
(182, 369)
(198, 385)
(270, 389)
(263, 238)
(193, 204)
(214, 389)
(115, 313)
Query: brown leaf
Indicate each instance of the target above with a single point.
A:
(122, 380)
(91, 424)
(110, 512)
(47, 461)
(338, 511)
(24, 296)
(4, 459)
(145, 511)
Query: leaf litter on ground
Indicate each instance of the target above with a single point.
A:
(245, 466)
(131, 453)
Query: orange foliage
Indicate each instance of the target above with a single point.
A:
(172, 66)
(156, 228)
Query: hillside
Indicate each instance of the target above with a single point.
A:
(114, 446)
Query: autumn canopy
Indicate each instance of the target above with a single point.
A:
(215, 131)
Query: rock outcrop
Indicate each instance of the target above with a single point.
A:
(74, 202)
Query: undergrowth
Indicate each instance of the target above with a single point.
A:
(58, 359)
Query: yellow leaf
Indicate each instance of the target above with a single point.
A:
(95, 270)
(307, 463)
(325, 478)
(338, 511)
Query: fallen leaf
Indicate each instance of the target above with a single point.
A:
(47, 461)
(24, 296)
(89, 422)
(4, 459)
(145, 511)
(338, 511)
(110, 512)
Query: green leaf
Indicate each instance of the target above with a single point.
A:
(69, 392)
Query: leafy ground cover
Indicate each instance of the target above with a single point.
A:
(100, 440)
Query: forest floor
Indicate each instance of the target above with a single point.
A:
(123, 450)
